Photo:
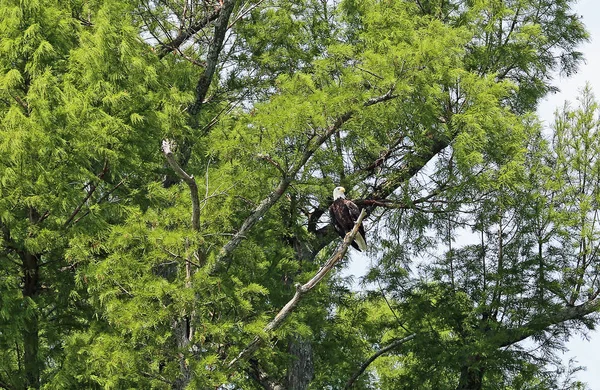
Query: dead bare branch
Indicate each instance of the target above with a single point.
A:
(301, 290)
(313, 145)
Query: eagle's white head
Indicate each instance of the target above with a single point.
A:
(338, 192)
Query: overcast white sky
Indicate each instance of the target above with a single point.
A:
(587, 353)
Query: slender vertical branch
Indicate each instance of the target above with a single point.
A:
(221, 26)
(183, 327)
(188, 179)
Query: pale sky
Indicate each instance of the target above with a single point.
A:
(585, 352)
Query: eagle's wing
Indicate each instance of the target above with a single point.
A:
(344, 214)
(353, 209)
(333, 210)
(355, 213)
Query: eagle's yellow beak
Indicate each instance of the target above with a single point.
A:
(342, 189)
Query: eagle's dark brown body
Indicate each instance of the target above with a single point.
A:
(344, 213)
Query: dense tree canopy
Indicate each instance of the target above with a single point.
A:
(166, 168)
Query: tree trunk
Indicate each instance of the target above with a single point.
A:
(181, 331)
(471, 375)
(301, 370)
(31, 337)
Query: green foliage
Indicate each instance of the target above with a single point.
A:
(419, 107)
(533, 224)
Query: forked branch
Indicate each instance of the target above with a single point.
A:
(167, 145)
(264, 206)
(301, 290)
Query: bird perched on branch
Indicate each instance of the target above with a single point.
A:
(344, 214)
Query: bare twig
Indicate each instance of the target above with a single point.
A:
(123, 289)
(301, 290)
(215, 119)
(105, 196)
(200, 64)
(369, 72)
(270, 160)
(245, 12)
(157, 377)
(90, 192)
(78, 208)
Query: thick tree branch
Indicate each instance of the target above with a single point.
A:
(393, 204)
(214, 50)
(378, 196)
(189, 180)
(21, 103)
(541, 323)
(189, 32)
(415, 162)
(264, 206)
(301, 290)
(370, 360)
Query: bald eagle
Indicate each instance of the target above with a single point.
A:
(344, 214)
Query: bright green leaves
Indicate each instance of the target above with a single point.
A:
(486, 132)
(81, 110)
(573, 193)
(38, 33)
(285, 36)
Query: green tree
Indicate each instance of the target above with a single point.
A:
(529, 273)
(83, 109)
(166, 165)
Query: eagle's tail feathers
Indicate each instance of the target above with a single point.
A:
(359, 239)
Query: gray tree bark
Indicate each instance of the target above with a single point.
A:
(301, 370)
